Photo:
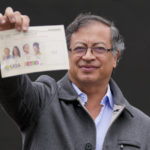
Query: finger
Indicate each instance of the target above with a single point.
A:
(18, 20)
(2, 19)
(25, 22)
(9, 13)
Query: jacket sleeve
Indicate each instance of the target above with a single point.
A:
(23, 99)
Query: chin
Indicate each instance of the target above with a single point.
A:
(87, 79)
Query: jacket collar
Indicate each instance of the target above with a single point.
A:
(65, 89)
(66, 92)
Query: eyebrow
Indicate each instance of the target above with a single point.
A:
(80, 42)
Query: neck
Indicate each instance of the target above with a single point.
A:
(95, 92)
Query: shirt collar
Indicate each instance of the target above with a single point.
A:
(108, 98)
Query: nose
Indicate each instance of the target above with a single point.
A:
(88, 55)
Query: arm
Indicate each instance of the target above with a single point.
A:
(14, 91)
(23, 99)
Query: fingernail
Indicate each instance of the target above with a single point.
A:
(25, 28)
(19, 28)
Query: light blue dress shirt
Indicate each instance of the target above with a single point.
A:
(102, 121)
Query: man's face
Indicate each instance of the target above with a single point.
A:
(36, 49)
(26, 48)
(6, 52)
(91, 68)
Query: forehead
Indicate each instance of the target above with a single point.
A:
(92, 33)
(6, 50)
(26, 45)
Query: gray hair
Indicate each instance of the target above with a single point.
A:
(84, 19)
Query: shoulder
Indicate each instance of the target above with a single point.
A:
(143, 124)
(140, 122)
(139, 115)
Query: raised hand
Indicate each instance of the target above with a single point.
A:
(13, 19)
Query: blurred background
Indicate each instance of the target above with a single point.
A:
(133, 72)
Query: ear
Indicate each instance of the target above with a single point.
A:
(116, 56)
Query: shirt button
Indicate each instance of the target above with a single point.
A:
(121, 146)
(88, 146)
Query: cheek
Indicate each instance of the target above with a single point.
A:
(73, 61)
(107, 63)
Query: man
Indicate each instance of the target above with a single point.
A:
(36, 48)
(7, 54)
(26, 49)
(85, 109)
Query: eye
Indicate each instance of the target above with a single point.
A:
(80, 49)
(99, 49)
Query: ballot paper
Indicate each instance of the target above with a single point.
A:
(41, 48)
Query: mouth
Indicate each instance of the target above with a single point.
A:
(87, 68)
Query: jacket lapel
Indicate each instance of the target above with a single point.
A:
(67, 93)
